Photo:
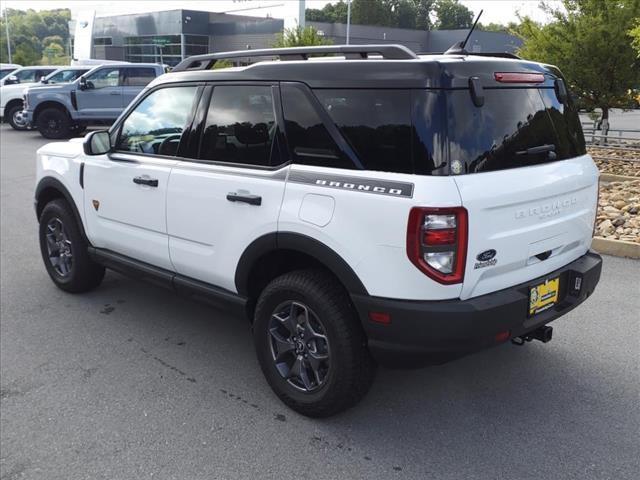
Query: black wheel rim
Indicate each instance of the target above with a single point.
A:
(59, 248)
(52, 124)
(299, 346)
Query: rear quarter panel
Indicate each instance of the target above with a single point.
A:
(368, 230)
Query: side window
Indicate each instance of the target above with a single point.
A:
(376, 123)
(105, 77)
(240, 125)
(155, 126)
(25, 76)
(43, 73)
(308, 138)
(138, 77)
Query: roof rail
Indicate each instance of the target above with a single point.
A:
(389, 52)
(478, 54)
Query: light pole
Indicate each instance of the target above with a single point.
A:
(6, 24)
(348, 20)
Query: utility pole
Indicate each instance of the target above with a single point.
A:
(348, 20)
(6, 24)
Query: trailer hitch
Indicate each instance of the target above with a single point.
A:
(542, 334)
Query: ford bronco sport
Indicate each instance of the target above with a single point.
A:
(375, 206)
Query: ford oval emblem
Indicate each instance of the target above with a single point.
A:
(486, 255)
(84, 24)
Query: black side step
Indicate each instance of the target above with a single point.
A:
(183, 285)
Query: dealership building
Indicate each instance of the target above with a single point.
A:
(172, 35)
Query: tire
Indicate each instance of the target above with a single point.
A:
(10, 114)
(344, 369)
(78, 129)
(65, 250)
(54, 123)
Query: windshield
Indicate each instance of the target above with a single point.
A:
(6, 71)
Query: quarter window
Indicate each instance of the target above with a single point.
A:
(240, 126)
(308, 138)
(155, 126)
(376, 123)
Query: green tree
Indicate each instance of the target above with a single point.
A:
(54, 54)
(372, 12)
(300, 37)
(25, 50)
(423, 14)
(31, 31)
(588, 40)
(452, 15)
(493, 27)
(330, 13)
(635, 37)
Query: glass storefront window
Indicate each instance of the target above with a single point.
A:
(163, 48)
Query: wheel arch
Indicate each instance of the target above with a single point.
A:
(276, 253)
(49, 189)
(13, 102)
(48, 104)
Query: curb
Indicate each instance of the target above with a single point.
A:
(610, 177)
(617, 248)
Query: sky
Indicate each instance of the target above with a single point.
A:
(498, 11)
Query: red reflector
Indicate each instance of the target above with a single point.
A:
(380, 317)
(515, 77)
(446, 236)
(503, 336)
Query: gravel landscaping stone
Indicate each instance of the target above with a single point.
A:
(618, 162)
(619, 211)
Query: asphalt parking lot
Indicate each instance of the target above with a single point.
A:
(133, 382)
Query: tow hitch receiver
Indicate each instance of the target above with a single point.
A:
(542, 334)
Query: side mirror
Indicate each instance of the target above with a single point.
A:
(561, 91)
(83, 83)
(97, 143)
(11, 80)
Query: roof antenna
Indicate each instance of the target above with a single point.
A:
(458, 47)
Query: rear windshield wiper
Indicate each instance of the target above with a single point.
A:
(550, 148)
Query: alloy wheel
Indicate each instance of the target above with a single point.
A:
(299, 346)
(59, 248)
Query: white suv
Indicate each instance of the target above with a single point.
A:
(371, 207)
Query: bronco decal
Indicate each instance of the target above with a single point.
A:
(356, 184)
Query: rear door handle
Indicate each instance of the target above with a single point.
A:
(246, 198)
(152, 182)
(114, 93)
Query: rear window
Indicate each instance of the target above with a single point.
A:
(515, 127)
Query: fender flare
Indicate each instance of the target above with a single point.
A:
(55, 184)
(300, 243)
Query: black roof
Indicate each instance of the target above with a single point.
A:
(396, 67)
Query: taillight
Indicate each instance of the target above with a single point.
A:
(517, 77)
(437, 242)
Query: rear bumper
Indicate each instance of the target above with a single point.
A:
(433, 332)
